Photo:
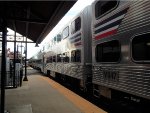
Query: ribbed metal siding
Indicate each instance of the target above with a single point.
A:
(59, 67)
(137, 16)
(66, 69)
(75, 70)
(132, 79)
(50, 66)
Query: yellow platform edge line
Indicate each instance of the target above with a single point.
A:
(84, 105)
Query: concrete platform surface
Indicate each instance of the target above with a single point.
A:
(21, 109)
(42, 95)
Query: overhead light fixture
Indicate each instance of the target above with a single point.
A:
(36, 45)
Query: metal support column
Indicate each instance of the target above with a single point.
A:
(21, 53)
(27, 24)
(3, 67)
(25, 77)
(17, 51)
(14, 63)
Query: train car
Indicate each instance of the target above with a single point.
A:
(53, 56)
(68, 57)
(37, 61)
(121, 49)
(105, 49)
(76, 52)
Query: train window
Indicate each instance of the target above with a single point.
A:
(54, 40)
(66, 57)
(58, 57)
(65, 32)
(38, 61)
(141, 47)
(49, 60)
(73, 56)
(76, 25)
(76, 56)
(108, 51)
(54, 58)
(102, 7)
(58, 38)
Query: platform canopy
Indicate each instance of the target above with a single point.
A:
(34, 19)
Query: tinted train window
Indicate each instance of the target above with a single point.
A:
(54, 40)
(65, 32)
(49, 59)
(58, 38)
(76, 56)
(141, 47)
(108, 52)
(59, 58)
(103, 7)
(54, 58)
(66, 57)
(38, 61)
(76, 25)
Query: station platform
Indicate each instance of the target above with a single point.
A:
(41, 94)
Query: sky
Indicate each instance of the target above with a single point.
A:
(32, 50)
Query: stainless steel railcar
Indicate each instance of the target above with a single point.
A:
(107, 46)
(73, 53)
(121, 49)
(52, 56)
(37, 61)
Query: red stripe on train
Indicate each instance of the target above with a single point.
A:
(106, 34)
(78, 44)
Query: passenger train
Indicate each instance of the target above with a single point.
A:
(104, 50)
